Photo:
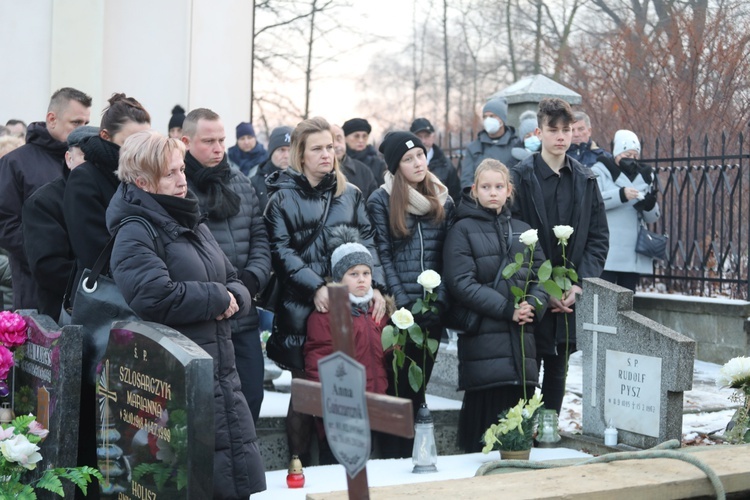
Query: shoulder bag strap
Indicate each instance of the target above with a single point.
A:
(506, 258)
(309, 241)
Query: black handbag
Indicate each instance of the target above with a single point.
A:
(284, 349)
(99, 302)
(651, 244)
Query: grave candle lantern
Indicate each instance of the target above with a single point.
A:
(548, 435)
(295, 477)
(424, 454)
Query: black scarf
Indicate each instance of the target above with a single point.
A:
(222, 202)
(183, 210)
(104, 155)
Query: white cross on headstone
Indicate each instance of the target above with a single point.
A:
(596, 328)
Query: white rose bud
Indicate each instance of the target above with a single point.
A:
(562, 233)
(429, 280)
(402, 319)
(20, 450)
(529, 237)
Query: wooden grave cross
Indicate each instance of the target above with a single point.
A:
(386, 414)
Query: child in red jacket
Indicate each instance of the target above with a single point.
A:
(351, 265)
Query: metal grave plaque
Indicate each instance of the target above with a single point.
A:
(347, 425)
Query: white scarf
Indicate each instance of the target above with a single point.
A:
(358, 301)
(418, 204)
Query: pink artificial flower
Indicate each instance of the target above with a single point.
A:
(12, 329)
(6, 362)
(7, 433)
(37, 429)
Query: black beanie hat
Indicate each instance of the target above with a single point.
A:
(178, 116)
(281, 136)
(356, 125)
(396, 144)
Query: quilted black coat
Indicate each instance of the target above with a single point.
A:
(187, 291)
(475, 250)
(294, 211)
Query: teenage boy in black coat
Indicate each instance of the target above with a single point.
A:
(553, 189)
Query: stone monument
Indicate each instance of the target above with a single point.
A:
(634, 369)
(155, 415)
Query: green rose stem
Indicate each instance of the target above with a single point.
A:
(523, 327)
(564, 243)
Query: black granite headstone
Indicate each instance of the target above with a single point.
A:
(47, 383)
(155, 415)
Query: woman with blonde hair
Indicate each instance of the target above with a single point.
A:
(411, 212)
(307, 202)
(189, 285)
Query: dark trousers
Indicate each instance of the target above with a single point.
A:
(625, 280)
(248, 355)
(553, 384)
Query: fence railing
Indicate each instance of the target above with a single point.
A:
(704, 195)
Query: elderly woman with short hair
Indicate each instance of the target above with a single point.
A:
(189, 285)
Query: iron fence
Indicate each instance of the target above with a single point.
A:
(704, 195)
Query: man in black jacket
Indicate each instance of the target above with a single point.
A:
(28, 168)
(356, 172)
(235, 220)
(45, 234)
(278, 159)
(553, 189)
(438, 163)
(357, 134)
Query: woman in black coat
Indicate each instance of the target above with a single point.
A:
(92, 184)
(193, 288)
(482, 241)
(411, 213)
(299, 225)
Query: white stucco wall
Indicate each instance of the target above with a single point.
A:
(192, 52)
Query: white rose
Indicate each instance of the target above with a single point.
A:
(529, 237)
(18, 449)
(562, 232)
(429, 280)
(402, 319)
(734, 373)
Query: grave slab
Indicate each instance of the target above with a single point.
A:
(155, 415)
(634, 369)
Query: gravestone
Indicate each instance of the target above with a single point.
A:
(47, 382)
(634, 369)
(155, 415)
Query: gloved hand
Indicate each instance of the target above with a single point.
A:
(647, 203)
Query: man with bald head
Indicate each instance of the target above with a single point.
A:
(24, 170)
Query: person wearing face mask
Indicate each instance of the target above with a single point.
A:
(527, 125)
(629, 195)
(497, 141)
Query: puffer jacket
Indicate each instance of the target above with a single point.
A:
(244, 240)
(6, 284)
(476, 249)
(187, 291)
(404, 259)
(368, 348)
(294, 212)
(23, 171)
(587, 153)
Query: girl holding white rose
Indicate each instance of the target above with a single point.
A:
(411, 213)
(492, 363)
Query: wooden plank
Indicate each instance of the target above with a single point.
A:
(387, 413)
(655, 478)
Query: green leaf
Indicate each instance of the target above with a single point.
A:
(538, 302)
(509, 270)
(553, 289)
(398, 359)
(51, 482)
(560, 281)
(517, 293)
(416, 334)
(519, 259)
(417, 307)
(567, 285)
(573, 275)
(386, 338)
(432, 345)
(415, 377)
(545, 270)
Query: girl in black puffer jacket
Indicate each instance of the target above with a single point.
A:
(483, 240)
(411, 213)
